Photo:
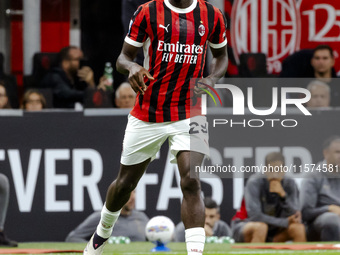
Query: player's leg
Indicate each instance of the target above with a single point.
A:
(117, 196)
(4, 198)
(192, 210)
(297, 232)
(255, 232)
(119, 190)
(281, 237)
(141, 142)
(327, 226)
(188, 140)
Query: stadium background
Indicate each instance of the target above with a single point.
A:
(45, 194)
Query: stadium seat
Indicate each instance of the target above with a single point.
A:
(298, 64)
(1, 63)
(97, 99)
(48, 94)
(42, 63)
(253, 65)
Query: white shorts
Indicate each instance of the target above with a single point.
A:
(142, 140)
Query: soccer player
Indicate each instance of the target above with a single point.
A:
(271, 210)
(175, 35)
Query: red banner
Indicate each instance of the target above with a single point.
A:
(278, 28)
(320, 24)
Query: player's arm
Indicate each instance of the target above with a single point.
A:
(218, 67)
(127, 66)
(219, 63)
(309, 196)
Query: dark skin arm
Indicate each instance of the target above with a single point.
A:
(218, 68)
(127, 66)
(136, 73)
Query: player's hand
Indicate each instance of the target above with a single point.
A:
(295, 218)
(201, 85)
(276, 187)
(102, 83)
(86, 74)
(208, 230)
(334, 209)
(298, 217)
(136, 78)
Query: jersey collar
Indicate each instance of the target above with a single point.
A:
(180, 10)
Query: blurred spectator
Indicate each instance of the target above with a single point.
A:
(125, 96)
(271, 205)
(4, 198)
(4, 102)
(69, 80)
(33, 100)
(320, 94)
(10, 83)
(323, 62)
(320, 196)
(318, 63)
(213, 225)
(131, 223)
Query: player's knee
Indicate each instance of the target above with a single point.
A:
(331, 219)
(257, 228)
(123, 186)
(329, 225)
(190, 185)
(255, 231)
(331, 222)
(296, 229)
(260, 227)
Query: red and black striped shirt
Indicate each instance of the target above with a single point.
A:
(175, 45)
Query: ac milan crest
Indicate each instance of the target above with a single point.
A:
(201, 30)
(267, 26)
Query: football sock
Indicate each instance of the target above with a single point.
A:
(107, 221)
(97, 241)
(195, 239)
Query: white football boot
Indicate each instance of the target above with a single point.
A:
(95, 247)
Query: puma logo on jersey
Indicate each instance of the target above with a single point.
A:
(166, 28)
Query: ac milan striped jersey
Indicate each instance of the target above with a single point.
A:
(175, 45)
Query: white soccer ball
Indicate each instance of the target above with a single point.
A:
(160, 228)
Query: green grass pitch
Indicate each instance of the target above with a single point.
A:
(176, 248)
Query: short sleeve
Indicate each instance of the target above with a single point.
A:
(218, 37)
(137, 34)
